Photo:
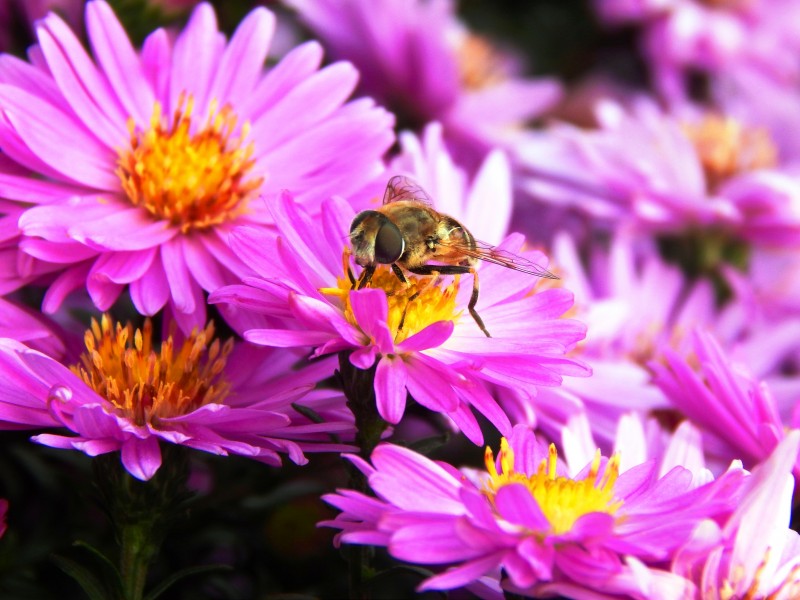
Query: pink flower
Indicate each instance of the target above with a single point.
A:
(580, 532)
(754, 553)
(169, 149)
(427, 345)
(417, 59)
(126, 396)
(737, 413)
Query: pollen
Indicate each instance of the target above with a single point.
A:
(727, 148)
(146, 384)
(731, 589)
(192, 175)
(562, 500)
(413, 306)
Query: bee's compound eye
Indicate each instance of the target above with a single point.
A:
(389, 243)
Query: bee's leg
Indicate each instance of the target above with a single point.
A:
(366, 277)
(415, 295)
(346, 266)
(457, 270)
(399, 272)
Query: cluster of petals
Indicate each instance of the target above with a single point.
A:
(737, 413)
(430, 513)
(418, 60)
(446, 364)
(256, 418)
(288, 126)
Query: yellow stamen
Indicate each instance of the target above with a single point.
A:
(727, 148)
(412, 307)
(147, 385)
(562, 500)
(193, 177)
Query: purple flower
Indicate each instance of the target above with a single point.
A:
(125, 395)
(668, 173)
(421, 336)
(169, 149)
(417, 59)
(681, 36)
(754, 553)
(578, 533)
(737, 413)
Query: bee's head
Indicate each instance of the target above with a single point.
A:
(375, 239)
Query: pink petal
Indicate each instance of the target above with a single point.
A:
(286, 338)
(150, 293)
(156, 57)
(69, 281)
(390, 388)
(126, 229)
(141, 457)
(119, 62)
(83, 87)
(87, 161)
(432, 336)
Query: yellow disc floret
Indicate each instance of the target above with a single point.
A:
(561, 499)
(146, 384)
(413, 306)
(193, 177)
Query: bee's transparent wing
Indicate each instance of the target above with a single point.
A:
(489, 253)
(401, 187)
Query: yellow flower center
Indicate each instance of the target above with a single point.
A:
(192, 178)
(479, 64)
(412, 307)
(122, 367)
(561, 499)
(727, 148)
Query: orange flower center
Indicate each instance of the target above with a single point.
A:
(727, 148)
(193, 177)
(122, 366)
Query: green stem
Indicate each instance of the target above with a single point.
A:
(359, 388)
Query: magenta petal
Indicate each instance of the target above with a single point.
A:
(103, 292)
(156, 56)
(428, 385)
(150, 292)
(204, 268)
(180, 283)
(371, 310)
(68, 281)
(126, 229)
(195, 57)
(516, 504)
(432, 336)
(364, 357)
(87, 162)
(431, 543)
(286, 338)
(141, 457)
(123, 267)
(243, 59)
(119, 61)
(390, 388)
(464, 574)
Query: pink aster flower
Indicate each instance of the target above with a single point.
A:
(667, 172)
(633, 303)
(169, 147)
(125, 396)
(420, 336)
(737, 413)
(417, 59)
(754, 553)
(589, 532)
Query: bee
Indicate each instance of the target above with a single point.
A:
(408, 234)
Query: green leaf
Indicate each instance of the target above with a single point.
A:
(103, 559)
(93, 587)
(183, 573)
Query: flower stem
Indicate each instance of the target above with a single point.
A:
(359, 388)
(141, 512)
